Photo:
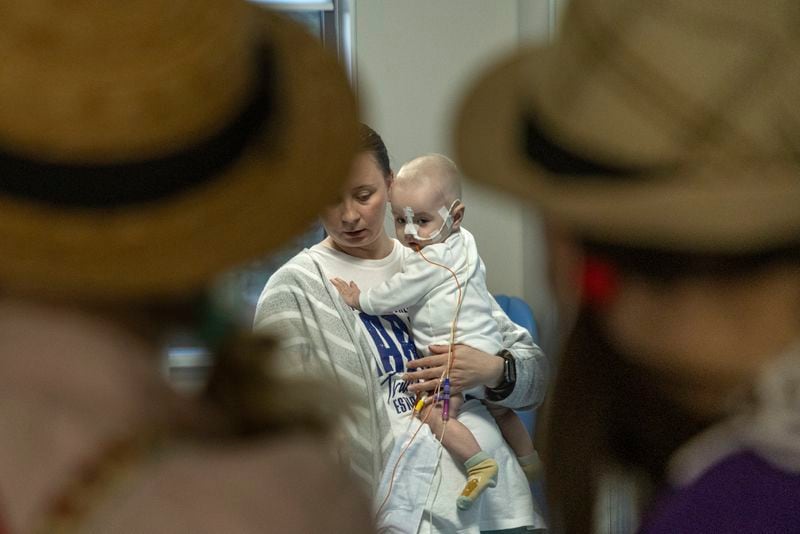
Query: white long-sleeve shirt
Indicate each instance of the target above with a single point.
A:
(430, 294)
(322, 337)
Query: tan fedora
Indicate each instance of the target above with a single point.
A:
(147, 145)
(666, 123)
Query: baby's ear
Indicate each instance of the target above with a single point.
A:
(458, 215)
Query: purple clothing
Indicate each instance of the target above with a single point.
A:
(741, 493)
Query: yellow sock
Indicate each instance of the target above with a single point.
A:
(481, 474)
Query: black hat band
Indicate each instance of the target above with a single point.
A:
(133, 182)
(544, 151)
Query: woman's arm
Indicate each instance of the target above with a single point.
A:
(472, 367)
(532, 365)
(296, 309)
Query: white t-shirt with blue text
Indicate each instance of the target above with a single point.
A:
(506, 506)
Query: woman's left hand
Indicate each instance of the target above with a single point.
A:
(471, 367)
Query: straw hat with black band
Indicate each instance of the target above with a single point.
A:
(176, 139)
(610, 132)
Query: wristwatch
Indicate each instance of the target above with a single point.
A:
(506, 386)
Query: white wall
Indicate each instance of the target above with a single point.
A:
(413, 60)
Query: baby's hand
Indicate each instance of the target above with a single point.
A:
(349, 292)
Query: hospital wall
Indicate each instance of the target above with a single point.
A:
(413, 61)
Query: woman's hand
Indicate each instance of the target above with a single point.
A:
(471, 367)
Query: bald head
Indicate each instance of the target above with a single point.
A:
(433, 170)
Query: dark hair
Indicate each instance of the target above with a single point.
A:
(605, 413)
(244, 396)
(370, 141)
(252, 399)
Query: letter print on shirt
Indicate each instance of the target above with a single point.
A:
(392, 338)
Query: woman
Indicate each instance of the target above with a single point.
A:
(674, 173)
(137, 147)
(368, 356)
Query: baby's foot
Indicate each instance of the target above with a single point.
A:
(479, 477)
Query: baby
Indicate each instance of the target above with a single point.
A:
(428, 212)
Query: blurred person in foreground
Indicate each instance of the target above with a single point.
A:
(661, 140)
(145, 147)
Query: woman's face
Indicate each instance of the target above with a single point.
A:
(355, 224)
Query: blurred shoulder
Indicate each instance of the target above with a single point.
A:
(742, 492)
(290, 484)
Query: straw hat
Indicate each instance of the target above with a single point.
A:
(665, 123)
(146, 145)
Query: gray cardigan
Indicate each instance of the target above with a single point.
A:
(320, 337)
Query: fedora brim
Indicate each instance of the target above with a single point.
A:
(178, 244)
(747, 213)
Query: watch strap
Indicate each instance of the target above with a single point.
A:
(504, 389)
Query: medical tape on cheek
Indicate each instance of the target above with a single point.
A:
(447, 221)
(444, 213)
(412, 229)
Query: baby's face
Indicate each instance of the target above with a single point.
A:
(425, 202)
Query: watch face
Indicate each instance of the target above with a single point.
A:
(510, 371)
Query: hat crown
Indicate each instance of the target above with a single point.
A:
(121, 80)
(654, 82)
